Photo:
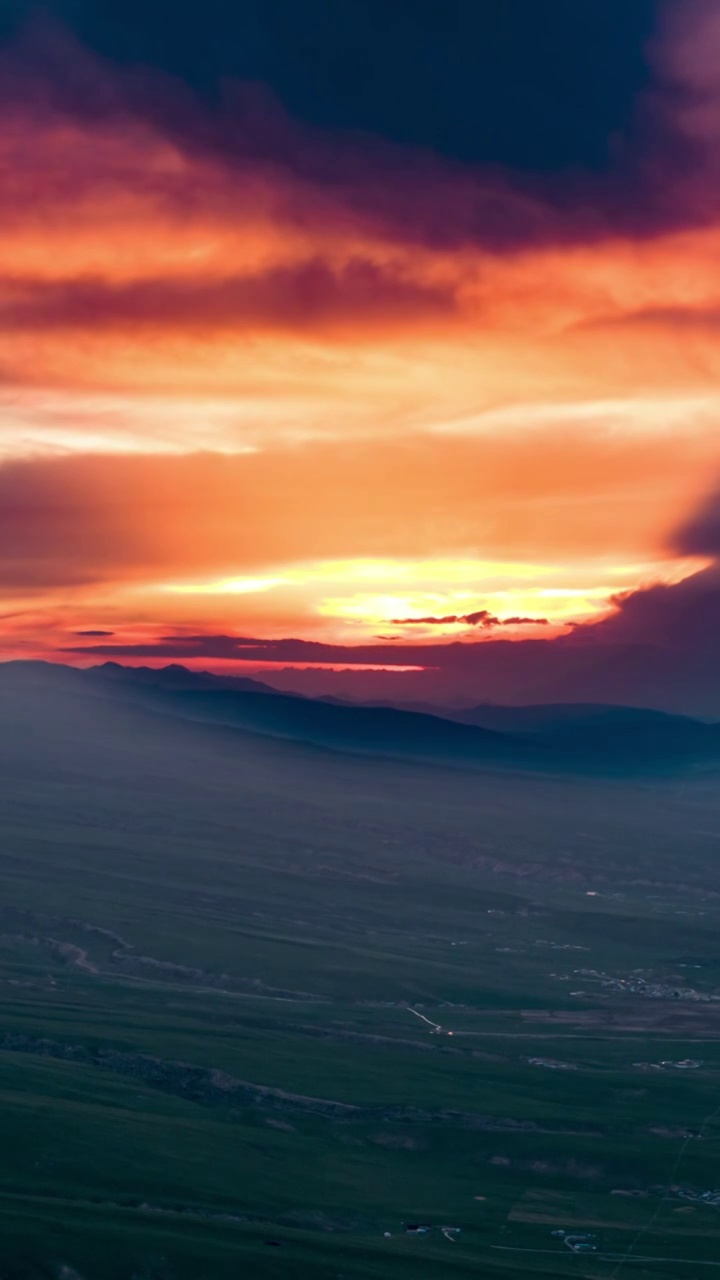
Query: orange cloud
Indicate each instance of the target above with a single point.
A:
(234, 348)
(586, 495)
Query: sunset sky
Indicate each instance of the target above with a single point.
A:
(374, 330)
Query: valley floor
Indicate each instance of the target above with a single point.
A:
(263, 1008)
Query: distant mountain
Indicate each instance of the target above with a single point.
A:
(564, 716)
(583, 725)
(175, 676)
(594, 728)
(569, 718)
(554, 736)
(563, 738)
(372, 730)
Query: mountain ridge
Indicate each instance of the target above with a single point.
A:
(572, 738)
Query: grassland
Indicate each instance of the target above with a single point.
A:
(210, 949)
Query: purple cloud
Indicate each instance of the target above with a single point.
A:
(311, 294)
(664, 175)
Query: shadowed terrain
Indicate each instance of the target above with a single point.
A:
(559, 737)
(265, 1003)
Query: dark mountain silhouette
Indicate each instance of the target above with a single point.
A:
(568, 739)
(375, 730)
(552, 736)
(595, 730)
(569, 718)
(600, 729)
(175, 676)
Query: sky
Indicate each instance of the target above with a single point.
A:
(350, 335)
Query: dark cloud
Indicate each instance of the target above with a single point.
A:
(319, 176)
(659, 173)
(700, 534)
(305, 296)
(484, 82)
(481, 618)
(683, 616)
(454, 655)
(439, 622)
(93, 633)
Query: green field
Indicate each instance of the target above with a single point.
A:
(211, 947)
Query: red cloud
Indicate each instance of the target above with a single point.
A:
(309, 295)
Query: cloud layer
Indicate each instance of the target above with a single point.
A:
(266, 380)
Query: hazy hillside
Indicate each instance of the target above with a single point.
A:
(564, 737)
(376, 730)
(175, 676)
